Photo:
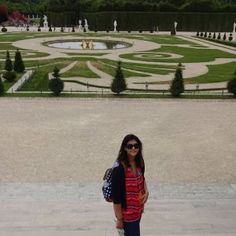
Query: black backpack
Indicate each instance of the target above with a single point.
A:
(107, 183)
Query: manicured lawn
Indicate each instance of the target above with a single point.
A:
(40, 78)
(189, 55)
(111, 70)
(148, 68)
(164, 39)
(80, 70)
(217, 73)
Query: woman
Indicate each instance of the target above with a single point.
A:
(129, 189)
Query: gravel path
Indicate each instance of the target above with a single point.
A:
(65, 140)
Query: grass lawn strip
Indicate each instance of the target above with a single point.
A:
(40, 78)
(80, 70)
(189, 55)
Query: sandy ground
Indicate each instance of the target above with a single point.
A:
(54, 153)
(67, 140)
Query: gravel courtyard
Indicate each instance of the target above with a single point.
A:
(75, 140)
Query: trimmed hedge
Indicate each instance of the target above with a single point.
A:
(187, 21)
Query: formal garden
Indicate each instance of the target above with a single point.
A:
(147, 61)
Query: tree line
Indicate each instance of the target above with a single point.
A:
(43, 6)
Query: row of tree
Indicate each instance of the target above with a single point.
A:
(119, 85)
(42, 6)
(56, 85)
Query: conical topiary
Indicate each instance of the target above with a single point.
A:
(1, 87)
(8, 62)
(118, 84)
(18, 63)
(56, 85)
(177, 85)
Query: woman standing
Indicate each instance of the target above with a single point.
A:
(129, 189)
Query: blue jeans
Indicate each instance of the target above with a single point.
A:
(132, 228)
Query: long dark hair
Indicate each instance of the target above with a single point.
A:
(123, 157)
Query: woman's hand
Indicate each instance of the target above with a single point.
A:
(145, 197)
(119, 224)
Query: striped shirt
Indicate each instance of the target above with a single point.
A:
(134, 184)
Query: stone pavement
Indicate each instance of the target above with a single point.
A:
(78, 209)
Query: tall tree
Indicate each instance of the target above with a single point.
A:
(3, 13)
(231, 86)
(56, 85)
(118, 84)
(8, 62)
(18, 63)
(1, 87)
(177, 85)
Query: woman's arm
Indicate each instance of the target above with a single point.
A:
(146, 194)
(118, 213)
(117, 197)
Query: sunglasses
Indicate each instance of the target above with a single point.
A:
(130, 146)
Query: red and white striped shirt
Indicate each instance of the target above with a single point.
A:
(134, 184)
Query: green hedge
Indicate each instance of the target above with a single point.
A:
(219, 22)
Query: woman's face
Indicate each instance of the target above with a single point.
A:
(132, 148)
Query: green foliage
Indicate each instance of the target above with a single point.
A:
(177, 85)
(18, 63)
(1, 87)
(118, 84)
(8, 62)
(10, 76)
(231, 86)
(56, 85)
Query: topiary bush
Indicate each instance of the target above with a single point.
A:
(1, 87)
(10, 76)
(118, 84)
(56, 85)
(224, 37)
(8, 62)
(230, 37)
(231, 86)
(177, 85)
(18, 63)
(4, 29)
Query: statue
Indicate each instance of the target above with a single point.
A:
(115, 25)
(234, 27)
(86, 25)
(175, 25)
(80, 26)
(45, 21)
(87, 44)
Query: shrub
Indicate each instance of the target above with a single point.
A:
(231, 37)
(18, 63)
(4, 29)
(197, 34)
(56, 85)
(50, 29)
(177, 85)
(209, 35)
(118, 84)
(205, 35)
(10, 76)
(214, 36)
(231, 86)
(39, 29)
(1, 87)
(219, 36)
(8, 62)
(201, 34)
(224, 37)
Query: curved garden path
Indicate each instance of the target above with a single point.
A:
(190, 69)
